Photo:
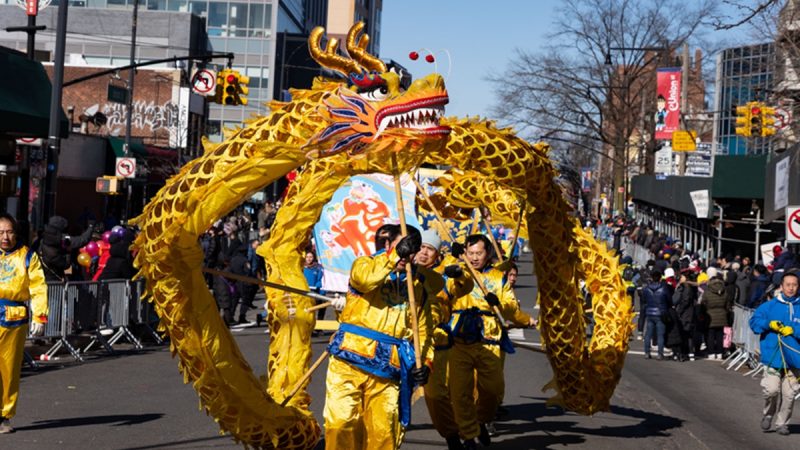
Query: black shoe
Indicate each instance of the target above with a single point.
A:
(783, 430)
(648, 356)
(470, 444)
(259, 319)
(454, 443)
(484, 437)
(766, 423)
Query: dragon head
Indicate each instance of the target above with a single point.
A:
(377, 108)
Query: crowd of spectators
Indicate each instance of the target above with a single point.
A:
(685, 302)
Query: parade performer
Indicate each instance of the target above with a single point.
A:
(457, 284)
(371, 372)
(778, 323)
(478, 340)
(21, 282)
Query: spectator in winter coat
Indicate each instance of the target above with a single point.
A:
(783, 262)
(243, 293)
(717, 304)
(226, 294)
(120, 262)
(731, 290)
(743, 282)
(778, 323)
(684, 300)
(56, 246)
(758, 288)
(656, 297)
(313, 273)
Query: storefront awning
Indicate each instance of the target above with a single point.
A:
(25, 92)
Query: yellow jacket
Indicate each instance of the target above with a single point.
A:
(21, 285)
(378, 300)
(494, 281)
(441, 309)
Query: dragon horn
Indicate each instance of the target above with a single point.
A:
(328, 57)
(357, 50)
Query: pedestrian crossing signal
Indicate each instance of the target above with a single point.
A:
(108, 185)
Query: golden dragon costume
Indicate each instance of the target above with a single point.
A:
(373, 121)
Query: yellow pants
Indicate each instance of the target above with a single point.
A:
(466, 363)
(12, 346)
(437, 396)
(362, 411)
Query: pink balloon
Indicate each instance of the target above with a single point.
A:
(92, 249)
(106, 236)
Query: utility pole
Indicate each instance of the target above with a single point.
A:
(32, 10)
(684, 103)
(54, 141)
(128, 119)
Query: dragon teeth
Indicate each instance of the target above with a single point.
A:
(420, 118)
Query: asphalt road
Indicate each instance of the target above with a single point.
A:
(138, 401)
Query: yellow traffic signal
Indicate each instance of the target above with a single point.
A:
(241, 87)
(743, 120)
(767, 121)
(755, 118)
(220, 86)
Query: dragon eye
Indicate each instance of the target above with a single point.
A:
(375, 94)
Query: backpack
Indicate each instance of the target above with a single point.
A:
(628, 273)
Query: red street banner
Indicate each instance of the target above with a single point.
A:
(32, 7)
(668, 103)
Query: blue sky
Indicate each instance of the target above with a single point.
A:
(480, 36)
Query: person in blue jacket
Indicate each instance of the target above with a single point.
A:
(778, 323)
(656, 297)
(313, 272)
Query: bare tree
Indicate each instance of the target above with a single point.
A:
(570, 92)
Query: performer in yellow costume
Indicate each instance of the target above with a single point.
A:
(478, 340)
(371, 372)
(21, 282)
(457, 284)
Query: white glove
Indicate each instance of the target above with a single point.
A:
(338, 302)
(37, 329)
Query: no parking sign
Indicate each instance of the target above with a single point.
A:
(793, 224)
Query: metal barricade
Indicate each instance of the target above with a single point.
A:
(115, 310)
(747, 343)
(145, 316)
(83, 303)
(58, 319)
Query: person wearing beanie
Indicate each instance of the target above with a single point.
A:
(365, 388)
(458, 283)
(56, 245)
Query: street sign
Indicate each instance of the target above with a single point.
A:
(204, 82)
(793, 224)
(684, 141)
(783, 117)
(126, 167)
(664, 161)
(117, 94)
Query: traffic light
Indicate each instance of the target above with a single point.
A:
(743, 120)
(234, 88)
(767, 121)
(755, 119)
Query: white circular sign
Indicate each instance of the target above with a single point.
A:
(126, 167)
(204, 82)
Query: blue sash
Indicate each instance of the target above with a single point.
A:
(4, 304)
(469, 329)
(379, 364)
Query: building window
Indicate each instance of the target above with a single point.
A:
(217, 16)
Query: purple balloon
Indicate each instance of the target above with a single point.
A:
(92, 248)
(106, 236)
(118, 231)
